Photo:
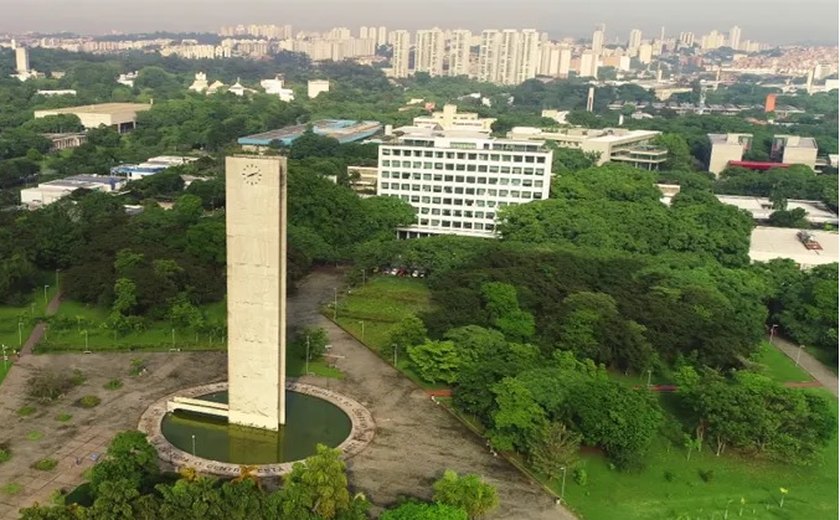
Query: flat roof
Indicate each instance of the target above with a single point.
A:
(761, 207)
(101, 108)
(722, 138)
(344, 130)
(768, 243)
(795, 141)
(80, 181)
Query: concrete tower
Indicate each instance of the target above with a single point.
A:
(22, 60)
(256, 290)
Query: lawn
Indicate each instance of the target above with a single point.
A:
(779, 366)
(4, 369)
(13, 335)
(88, 333)
(371, 312)
(670, 487)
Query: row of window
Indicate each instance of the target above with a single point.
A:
(458, 213)
(437, 188)
(456, 224)
(481, 203)
(481, 168)
(539, 159)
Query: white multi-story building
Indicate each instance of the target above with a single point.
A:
(588, 65)
(429, 49)
(488, 55)
(687, 38)
(317, 86)
(381, 35)
(598, 39)
(528, 55)
(22, 61)
(459, 52)
(402, 46)
(457, 184)
(449, 119)
(634, 42)
(735, 37)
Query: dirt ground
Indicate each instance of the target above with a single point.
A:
(416, 440)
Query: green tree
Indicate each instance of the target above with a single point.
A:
(436, 361)
(517, 419)
(468, 492)
(679, 155)
(129, 457)
(125, 296)
(410, 331)
(554, 448)
(502, 306)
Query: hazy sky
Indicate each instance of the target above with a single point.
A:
(772, 21)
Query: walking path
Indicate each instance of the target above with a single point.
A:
(40, 327)
(809, 363)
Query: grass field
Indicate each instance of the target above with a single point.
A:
(89, 333)
(371, 312)
(778, 366)
(13, 335)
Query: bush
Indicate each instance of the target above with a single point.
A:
(113, 384)
(89, 401)
(63, 417)
(706, 475)
(45, 465)
(26, 411)
(669, 475)
(138, 367)
(34, 436)
(581, 476)
(5, 452)
(46, 386)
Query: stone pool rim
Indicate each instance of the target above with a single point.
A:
(362, 430)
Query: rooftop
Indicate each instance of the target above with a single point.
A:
(761, 207)
(768, 243)
(102, 108)
(79, 181)
(795, 141)
(727, 138)
(344, 130)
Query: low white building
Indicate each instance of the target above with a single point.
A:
(49, 192)
(457, 182)
(122, 116)
(199, 84)
(761, 208)
(449, 119)
(634, 147)
(317, 86)
(275, 87)
(793, 149)
(57, 92)
(768, 243)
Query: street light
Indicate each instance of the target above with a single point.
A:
(363, 328)
(45, 296)
(394, 346)
(85, 332)
(306, 365)
(650, 372)
(193, 445)
(20, 334)
(5, 358)
(772, 332)
(799, 354)
(335, 303)
(563, 485)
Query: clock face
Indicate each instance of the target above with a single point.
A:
(252, 174)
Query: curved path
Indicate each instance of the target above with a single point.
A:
(416, 439)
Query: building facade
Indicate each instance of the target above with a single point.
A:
(458, 184)
(429, 51)
(402, 47)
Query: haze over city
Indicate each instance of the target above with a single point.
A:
(773, 21)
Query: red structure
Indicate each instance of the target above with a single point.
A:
(758, 165)
(770, 103)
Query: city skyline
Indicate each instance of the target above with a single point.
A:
(773, 21)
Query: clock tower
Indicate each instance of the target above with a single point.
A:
(255, 188)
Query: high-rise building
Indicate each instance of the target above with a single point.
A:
(588, 65)
(635, 41)
(461, 182)
(508, 57)
(22, 60)
(735, 37)
(645, 53)
(429, 49)
(381, 35)
(598, 39)
(363, 32)
(459, 52)
(528, 56)
(687, 38)
(488, 55)
(565, 61)
(549, 59)
(402, 46)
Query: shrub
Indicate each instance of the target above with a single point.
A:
(581, 476)
(89, 401)
(77, 378)
(113, 384)
(63, 417)
(34, 436)
(46, 386)
(669, 475)
(45, 465)
(12, 488)
(26, 411)
(706, 475)
(5, 452)
(138, 366)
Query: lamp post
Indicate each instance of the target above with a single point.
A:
(394, 346)
(363, 328)
(5, 358)
(85, 332)
(306, 365)
(193, 445)
(45, 297)
(335, 303)
(364, 277)
(20, 334)
(772, 332)
(563, 486)
(799, 354)
(173, 338)
(650, 372)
